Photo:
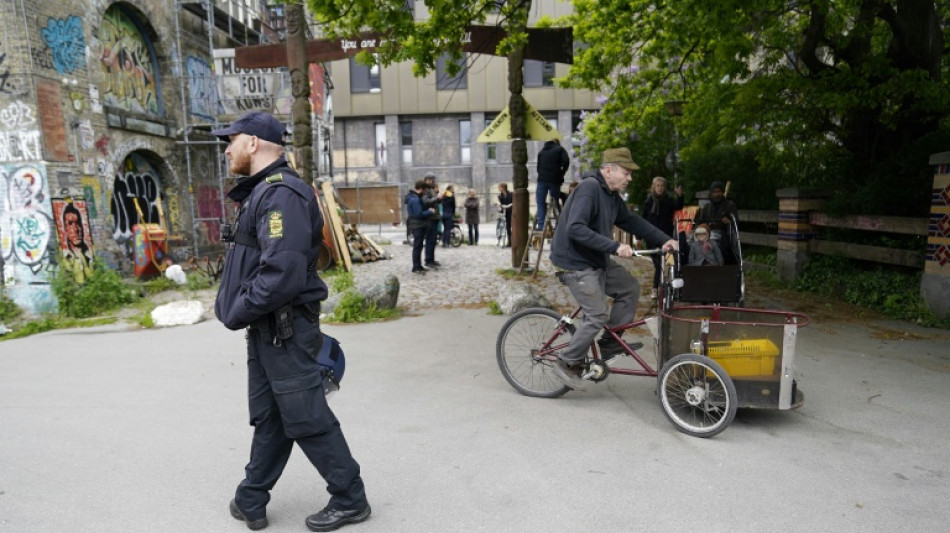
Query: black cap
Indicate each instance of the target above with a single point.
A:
(716, 185)
(257, 123)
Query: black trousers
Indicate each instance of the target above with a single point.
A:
(418, 241)
(287, 405)
(432, 238)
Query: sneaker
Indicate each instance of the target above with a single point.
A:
(433, 264)
(569, 374)
(610, 348)
(421, 271)
(329, 518)
(253, 525)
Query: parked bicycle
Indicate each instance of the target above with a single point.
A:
(501, 229)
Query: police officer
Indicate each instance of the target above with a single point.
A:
(270, 286)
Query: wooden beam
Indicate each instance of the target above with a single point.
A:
(877, 254)
(746, 215)
(758, 239)
(906, 226)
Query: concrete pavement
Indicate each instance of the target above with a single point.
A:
(112, 430)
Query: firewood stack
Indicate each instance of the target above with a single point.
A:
(361, 247)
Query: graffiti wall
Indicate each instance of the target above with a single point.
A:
(136, 182)
(66, 43)
(242, 90)
(128, 62)
(75, 239)
(25, 231)
(19, 134)
(202, 92)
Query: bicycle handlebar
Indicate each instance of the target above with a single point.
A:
(644, 253)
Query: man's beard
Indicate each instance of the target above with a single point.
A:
(241, 165)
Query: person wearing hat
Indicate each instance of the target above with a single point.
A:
(718, 215)
(432, 199)
(702, 251)
(270, 286)
(581, 250)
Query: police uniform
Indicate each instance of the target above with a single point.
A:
(270, 286)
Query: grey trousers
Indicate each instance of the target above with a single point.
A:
(591, 288)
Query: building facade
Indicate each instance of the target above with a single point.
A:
(391, 127)
(105, 109)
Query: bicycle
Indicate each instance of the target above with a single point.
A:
(455, 235)
(697, 394)
(501, 229)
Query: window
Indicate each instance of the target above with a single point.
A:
(363, 79)
(380, 145)
(443, 81)
(405, 140)
(491, 150)
(538, 73)
(465, 142)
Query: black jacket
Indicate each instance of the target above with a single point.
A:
(665, 207)
(278, 211)
(553, 163)
(582, 239)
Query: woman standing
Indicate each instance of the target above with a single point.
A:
(448, 214)
(658, 209)
(505, 200)
(471, 217)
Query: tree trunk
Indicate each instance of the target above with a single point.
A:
(519, 148)
(300, 88)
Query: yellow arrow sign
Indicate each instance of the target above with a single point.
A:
(538, 128)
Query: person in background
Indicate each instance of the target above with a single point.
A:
(448, 214)
(418, 223)
(472, 217)
(702, 251)
(504, 201)
(553, 163)
(658, 209)
(431, 199)
(718, 215)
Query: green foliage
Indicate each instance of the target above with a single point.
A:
(9, 310)
(103, 291)
(352, 308)
(827, 94)
(753, 188)
(159, 284)
(494, 308)
(199, 281)
(338, 279)
(891, 291)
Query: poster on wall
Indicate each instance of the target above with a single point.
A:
(75, 240)
(243, 90)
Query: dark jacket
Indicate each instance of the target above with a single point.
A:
(448, 206)
(418, 215)
(278, 211)
(504, 201)
(471, 211)
(662, 217)
(431, 201)
(712, 214)
(553, 163)
(582, 239)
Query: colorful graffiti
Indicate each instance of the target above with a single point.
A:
(20, 140)
(75, 239)
(137, 188)
(25, 223)
(92, 192)
(5, 85)
(128, 62)
(203, 93)
(66, 42)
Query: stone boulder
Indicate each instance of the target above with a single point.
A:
(178, 313)
(514, 298)
(384, 294)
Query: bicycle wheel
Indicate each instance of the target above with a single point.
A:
(455, 237)
(697, 395)
(523, 351)
(500, 232)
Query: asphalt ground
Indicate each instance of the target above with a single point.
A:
(112, 429)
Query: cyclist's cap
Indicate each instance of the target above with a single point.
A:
(256, 123)
(717, 185)
(620, 157)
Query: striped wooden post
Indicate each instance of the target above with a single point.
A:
(794, 230)
(935, 283)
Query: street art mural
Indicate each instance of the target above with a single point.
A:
(66, 42)
(19, 134)
(25, 230)
(209, 207)
(128, 62)
(241, 90)
(75, 239)
(136, 182)
(203, 93)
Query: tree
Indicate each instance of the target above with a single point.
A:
(821, 90)
(424, 40)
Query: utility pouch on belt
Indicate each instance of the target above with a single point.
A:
(285, 322)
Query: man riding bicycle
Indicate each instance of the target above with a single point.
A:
(580, 250)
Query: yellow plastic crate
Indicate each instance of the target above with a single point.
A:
(745, 357)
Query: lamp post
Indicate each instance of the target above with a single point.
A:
(675, 109)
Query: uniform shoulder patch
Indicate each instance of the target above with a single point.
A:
(275, 223)
(275, 178)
